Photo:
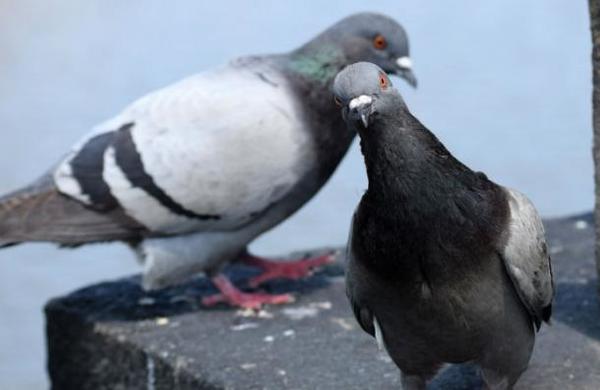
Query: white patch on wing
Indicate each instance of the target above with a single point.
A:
(63, 173)
(137, 203)
(67, 184)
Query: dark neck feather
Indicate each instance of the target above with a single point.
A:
(423, 207)
(411, 171)
(310, 71)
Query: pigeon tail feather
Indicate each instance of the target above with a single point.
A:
(41, 213)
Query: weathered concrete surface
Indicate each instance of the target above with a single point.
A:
(114, 336)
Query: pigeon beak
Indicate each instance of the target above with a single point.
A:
(360, 107)
(404, 65)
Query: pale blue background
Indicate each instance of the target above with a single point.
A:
(504, 83)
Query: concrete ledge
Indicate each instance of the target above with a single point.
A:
(115, 336)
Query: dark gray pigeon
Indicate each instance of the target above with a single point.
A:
(445, 266)
(190, 174)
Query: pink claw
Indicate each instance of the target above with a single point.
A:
(236, 298)
(294, 269)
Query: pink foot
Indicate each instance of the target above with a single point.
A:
(295, 269)
(234, 297)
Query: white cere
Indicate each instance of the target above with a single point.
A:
(404, 63)
(360, 101)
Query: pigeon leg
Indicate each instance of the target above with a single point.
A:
(291, 269)
(234, 297)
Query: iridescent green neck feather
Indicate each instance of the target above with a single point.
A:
(319, 64)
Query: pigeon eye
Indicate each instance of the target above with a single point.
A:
(338, 102)
(383, 81)
(379, 42)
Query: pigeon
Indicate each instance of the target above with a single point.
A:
(190, 174)
(443, 265)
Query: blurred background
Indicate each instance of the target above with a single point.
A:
(505, 84)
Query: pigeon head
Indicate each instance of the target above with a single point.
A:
(363, 90)
(368, 37)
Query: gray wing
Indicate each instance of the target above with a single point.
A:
(203, 154)
(208, 153)
(363, 314)
(526, 258)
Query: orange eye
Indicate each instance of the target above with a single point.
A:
(379, 42)
(338, 102)
(383, 81)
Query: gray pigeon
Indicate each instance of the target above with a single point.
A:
(444, 266)
(190, 174)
